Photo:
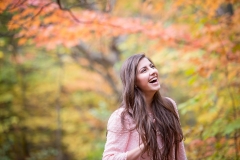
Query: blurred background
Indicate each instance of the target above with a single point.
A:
(59, 72)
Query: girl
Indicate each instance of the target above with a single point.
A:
(146, 126)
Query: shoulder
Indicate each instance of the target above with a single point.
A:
(172, 101)
(116, 115)
(115, 121)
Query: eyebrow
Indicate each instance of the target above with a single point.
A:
(145, 67)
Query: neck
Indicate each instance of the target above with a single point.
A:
(149, 98)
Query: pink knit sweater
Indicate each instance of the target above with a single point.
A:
(120, 140)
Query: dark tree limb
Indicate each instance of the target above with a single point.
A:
(103, 65)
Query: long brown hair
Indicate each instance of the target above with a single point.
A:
(166, 118)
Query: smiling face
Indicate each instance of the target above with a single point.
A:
(147, 77)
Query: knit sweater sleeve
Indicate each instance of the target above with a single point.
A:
(117, 138)
(181, 152)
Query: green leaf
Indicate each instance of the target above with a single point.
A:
(6, 97)
(184, 107)
(231, 127)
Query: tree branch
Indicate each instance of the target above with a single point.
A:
(95, 60)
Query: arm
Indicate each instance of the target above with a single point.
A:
(135, 153)
(115, 146)
(117, 141)
(181, 151)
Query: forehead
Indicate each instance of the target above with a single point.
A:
(143, 62)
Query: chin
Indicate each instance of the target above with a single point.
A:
(158, 88)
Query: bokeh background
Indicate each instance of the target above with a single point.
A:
(59, 72)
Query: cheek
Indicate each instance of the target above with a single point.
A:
(142, 81)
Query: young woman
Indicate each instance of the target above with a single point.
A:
(146, 126)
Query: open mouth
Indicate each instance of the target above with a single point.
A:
(153, 80)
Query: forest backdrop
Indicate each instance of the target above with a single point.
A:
(59, 72)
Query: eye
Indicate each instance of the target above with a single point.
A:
(143, 70)
(152, 66)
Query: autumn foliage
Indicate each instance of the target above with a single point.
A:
(60, 61)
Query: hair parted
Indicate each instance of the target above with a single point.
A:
(166, 118)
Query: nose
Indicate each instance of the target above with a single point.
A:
(153, 71)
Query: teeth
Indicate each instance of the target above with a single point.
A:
(154, 79)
